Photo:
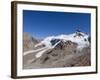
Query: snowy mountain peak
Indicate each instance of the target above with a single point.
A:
(78, 37)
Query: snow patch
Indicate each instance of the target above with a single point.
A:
(39, 54)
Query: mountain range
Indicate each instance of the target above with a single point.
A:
(57, 51)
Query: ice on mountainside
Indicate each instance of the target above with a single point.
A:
(78, 37)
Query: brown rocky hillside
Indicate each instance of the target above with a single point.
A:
(28, 42)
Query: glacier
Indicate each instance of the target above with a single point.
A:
(80, 38)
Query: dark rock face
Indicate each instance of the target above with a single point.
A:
(54, 41)
(78, 34)
(66, 45)
(89, 39)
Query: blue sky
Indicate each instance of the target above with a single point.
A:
(41, 24)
